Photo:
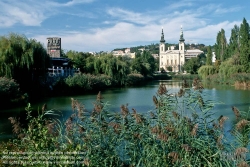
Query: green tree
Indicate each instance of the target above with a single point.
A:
(221, 45)
(79, 60)
(144, 63)
(192, 65)
(22, 59)
(234, 45)
(209, 56)
(244, 42)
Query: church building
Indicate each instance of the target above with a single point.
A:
(172, 58)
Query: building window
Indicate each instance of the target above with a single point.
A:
(167, 62)
(161, 48)
(181, 47)
(175, 62)
(171, 62)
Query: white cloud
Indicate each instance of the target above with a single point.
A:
(28, 14)
(69, 3)
(129, 28)
(32, 13)
(209, 33)
(125, 15)
(227, 10)
(128, 35)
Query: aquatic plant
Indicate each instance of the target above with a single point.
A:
(180, 131)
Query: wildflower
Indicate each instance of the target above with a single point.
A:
(218, 142)
(155, 130)
(86, 162)
(236, 112)
(152, 115)
(194, 130)
(115, 126)
(197, 85)
(124, 110)
(162, 89)
(155, 101)
(99, 96)
(222, 119)
(181, 93)
(69, 123)
(200, 100)
(241, 124)
(174, 156)
(162, 136)
(137, 135)
(73, 101)
(170, 128)
(44, 107)
(243, 164)
(137, 117)
(215, 125)
(176, 115)
(186, 147)
(15, 125)
(240, 152)
(98, 108)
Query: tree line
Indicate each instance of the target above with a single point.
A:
(232, 56)
(25, 62)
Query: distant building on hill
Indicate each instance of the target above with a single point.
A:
(175, 58)
(123, 53)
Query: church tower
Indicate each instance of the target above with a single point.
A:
(181, 50)
(162, 51)
(181, 42)
(162, 43)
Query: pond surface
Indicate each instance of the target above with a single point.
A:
(139, 98)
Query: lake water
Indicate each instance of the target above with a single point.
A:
(139, 98)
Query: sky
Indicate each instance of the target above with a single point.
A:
(104, 25)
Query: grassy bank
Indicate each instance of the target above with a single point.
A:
(238, 80)
(180, 131)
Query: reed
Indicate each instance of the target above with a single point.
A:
(180, 131)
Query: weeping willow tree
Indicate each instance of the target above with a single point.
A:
(22, 59)
(115, 67)
(206, 70)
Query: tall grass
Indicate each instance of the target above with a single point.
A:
(180, 131)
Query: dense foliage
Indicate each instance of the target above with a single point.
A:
(22, 59)
(192, 65)
(232, 58)
(117, 68)
(10, 92)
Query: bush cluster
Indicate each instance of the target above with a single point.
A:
(10, 92)
(81, 83)
(134, 79)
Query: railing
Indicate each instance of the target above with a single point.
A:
(62, 72)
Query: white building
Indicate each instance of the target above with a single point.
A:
(124, 53)
(213, 57)
(175, 58)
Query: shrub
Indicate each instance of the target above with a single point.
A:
(134, 79)
(10, 92)
(228, 68)
(85, 82)
(205, 71)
